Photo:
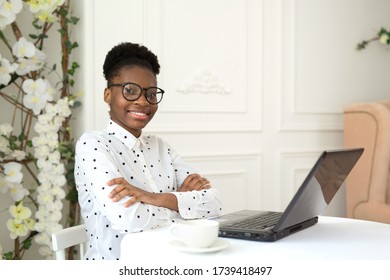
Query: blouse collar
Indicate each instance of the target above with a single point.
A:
(122, 134)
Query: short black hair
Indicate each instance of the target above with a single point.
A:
(127, 55)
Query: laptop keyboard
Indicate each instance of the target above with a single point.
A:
(257, 222)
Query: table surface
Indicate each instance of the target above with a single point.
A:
(332, 238)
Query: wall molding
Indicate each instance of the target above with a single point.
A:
(295, 165)
(203, 82)
(208, 94)
(236, 176)
(292, 118)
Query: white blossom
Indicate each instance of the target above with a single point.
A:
(38, 93)
(44, 177)
(23, 48)
(4, 185)
(18, 155)
(19, 212)
(34, 102)
(41, 129)
(24, 66)
(52, 141)
(45, 198)
(44, 165)
(55, 156)
(40, 227)
(6, 69)
(43, 9)
(58, 192)
(17, 191)
(16, 229)
(43, 238)
(12, 171)
(4, 146)
(29, 58)
(5, 129)
(41, 215)
(45, 186)
(58, 205)
(59, 180)
(42, 152)
(39, 140)
(63, 107)
(8, 11)
(37, 61)
(384, 39)
(59, 169)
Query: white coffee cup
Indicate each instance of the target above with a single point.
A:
(196, 233)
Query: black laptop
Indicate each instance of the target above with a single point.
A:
(316, 192)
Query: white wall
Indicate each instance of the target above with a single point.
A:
(254, 89)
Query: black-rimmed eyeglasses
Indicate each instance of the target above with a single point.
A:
(132, 92)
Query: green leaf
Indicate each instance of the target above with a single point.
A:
(21, 136)
(43, 36)
(74, 20)
(381, 31)
(362, 45)
(76, 104)
(36, 24)
(8, 256)
(29, 143)
(72, 195)
(26, 244)
(75, 65)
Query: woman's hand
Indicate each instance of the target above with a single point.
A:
(124, 189)
(194, 182)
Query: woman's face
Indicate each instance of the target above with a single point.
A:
(131, 115)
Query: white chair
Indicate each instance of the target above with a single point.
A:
(68, 237)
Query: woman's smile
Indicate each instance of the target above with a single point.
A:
(143, 116)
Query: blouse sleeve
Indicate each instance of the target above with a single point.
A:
(96, 165)
(194, 204)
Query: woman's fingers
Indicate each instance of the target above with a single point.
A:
(195, 182)
(118, 193)
(121, 189)
(116, 181)
(130, 201)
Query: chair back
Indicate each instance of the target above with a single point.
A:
(368, 186)
(68, 237)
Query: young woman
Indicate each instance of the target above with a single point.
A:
(127, 181)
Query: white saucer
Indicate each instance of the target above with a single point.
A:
(220, 244)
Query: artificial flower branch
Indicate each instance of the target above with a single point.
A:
(41, 145)
(383, 37)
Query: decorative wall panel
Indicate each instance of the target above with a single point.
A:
(295, 166)
(236, 177)
(322, 71)
(211, 69)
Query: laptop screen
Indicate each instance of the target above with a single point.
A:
(320, 186)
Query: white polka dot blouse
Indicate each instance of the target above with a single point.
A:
(147, 162)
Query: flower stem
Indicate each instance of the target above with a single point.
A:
(15, 28)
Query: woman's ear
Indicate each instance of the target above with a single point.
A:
(107, 95)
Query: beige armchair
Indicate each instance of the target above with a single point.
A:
(368, 186)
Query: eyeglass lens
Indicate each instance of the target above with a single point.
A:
(133, 92)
